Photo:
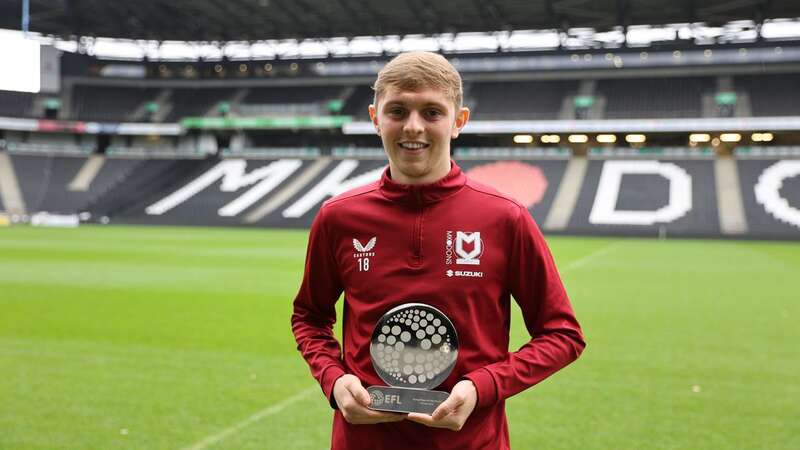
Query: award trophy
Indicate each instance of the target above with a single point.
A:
(413, 349)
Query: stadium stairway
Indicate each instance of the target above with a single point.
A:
(567, 195)
(732, 219)
(10, 193)
(87, 174)
(147, 182)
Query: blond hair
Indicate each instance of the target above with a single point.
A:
(413, 71)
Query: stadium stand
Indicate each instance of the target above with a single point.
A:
(207, 204)
(665, 97)
(669, 193)
(149, 178)
(775, 217)
(641, 206)
(44, 181)
(16, 104)
(313, 110)
(520, 100)
(196, 102)
(283, 100)
(107, 103)
(771, 94)
(358, 101)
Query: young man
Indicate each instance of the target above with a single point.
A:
(426, 233)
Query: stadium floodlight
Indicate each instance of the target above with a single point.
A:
(730, 137)
(550, 138)
(699, 137)
(523, 139)
(578, 138)
(606, 138)
(635, 138)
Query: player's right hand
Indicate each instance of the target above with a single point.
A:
(353, 399)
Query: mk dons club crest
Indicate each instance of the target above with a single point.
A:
(465, 248)
(468, 248)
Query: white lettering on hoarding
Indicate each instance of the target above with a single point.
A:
(605, 212)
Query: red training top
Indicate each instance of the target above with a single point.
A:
(459, 246)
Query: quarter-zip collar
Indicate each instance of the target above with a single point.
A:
(423, 194)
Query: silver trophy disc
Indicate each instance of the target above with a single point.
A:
(414, 348)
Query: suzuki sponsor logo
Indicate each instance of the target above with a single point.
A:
(464, 273)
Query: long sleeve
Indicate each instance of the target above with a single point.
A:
(314, 309)
(556, 337)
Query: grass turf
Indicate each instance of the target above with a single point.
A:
(158, 338)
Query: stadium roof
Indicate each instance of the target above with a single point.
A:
(253, 20)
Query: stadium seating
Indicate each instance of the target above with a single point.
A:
(663, 97)
(196, 102)
(764, 221)
(771, 95)
(358, 102)
(526, 100)
(147, 179)
(108, 103)
(293, 95)
(16, 104)
(666, 97)
(44, 181)
(645, 193)
(669, 193)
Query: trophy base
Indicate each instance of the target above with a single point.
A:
(405, 400)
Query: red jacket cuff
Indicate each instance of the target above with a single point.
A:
(485, 387)
(328, 379)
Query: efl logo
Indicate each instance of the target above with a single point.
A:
(459, 247)
(376, 397)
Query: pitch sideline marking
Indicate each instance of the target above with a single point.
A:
(268, 411)
(582, 261)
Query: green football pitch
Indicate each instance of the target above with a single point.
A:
(173, 338)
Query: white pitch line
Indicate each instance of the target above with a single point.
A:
(580, 262)
(268, 411)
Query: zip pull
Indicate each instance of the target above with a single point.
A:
(417, 195)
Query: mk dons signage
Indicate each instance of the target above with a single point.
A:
(234, 176)
(296, 190)
(604, 209)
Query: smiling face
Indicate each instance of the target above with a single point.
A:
(416, 128)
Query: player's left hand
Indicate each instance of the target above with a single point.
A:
(454, 411)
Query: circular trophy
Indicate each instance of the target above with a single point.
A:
(413, 349)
